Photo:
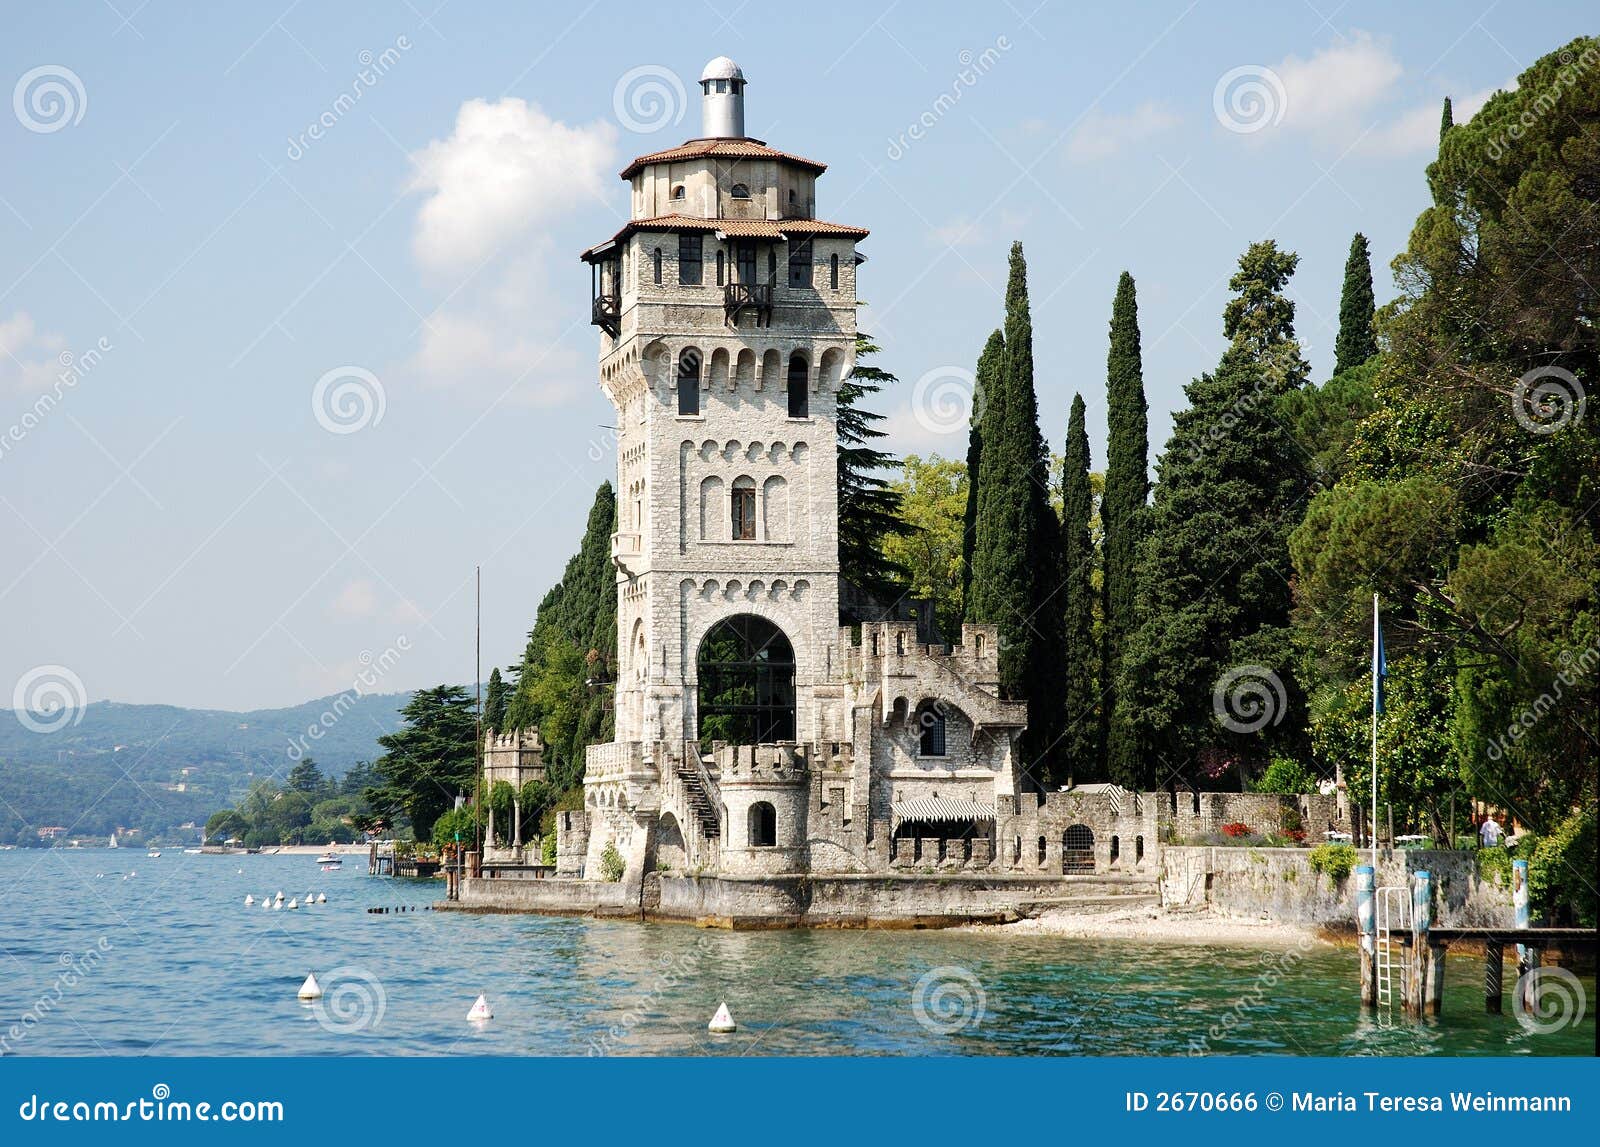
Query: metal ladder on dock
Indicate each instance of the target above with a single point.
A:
(1394, 911)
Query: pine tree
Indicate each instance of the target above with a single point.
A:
(1215, 602)
(989, 363)
(1356, 342)
(1447, 120)
(869, 508)
(1081, 750)
(494, 702)
(1016, 570)
(1122, 516)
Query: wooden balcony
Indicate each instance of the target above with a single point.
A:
(607, 314)
(757, 297)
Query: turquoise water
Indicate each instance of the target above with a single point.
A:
(116, 953)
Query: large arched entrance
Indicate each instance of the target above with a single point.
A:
(745, 669)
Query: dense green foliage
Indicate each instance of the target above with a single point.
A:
(494, 701)
(985, 380)
(869, 505)
(1016, 562)
(933, 499)
(1080, 751)
(1122, 514)
(563, 684)
(428, 761)
(310, 809)
(1334, 860)
(1470, 502)
(1215, 602)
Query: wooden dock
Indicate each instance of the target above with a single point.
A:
(1422, 947)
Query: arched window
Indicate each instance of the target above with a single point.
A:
(1138, 850)
(720, 272)
(1116, 849)
(799, 391)
(900, 644)
(833, 271)
(1077, 849)
(744, 510)
(930, 719)
(763, 825)
(740, 191)
(745, 683)
(689, 383)
(678, 192)
(655, 263)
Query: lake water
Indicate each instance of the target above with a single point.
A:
(116, 953)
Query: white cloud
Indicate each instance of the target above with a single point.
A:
(505, 170)
(29, 361)
(509, 333)
(1100, 135)
(1417, 130)
(358, 599)
(1337, 86)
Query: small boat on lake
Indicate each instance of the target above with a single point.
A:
(154, 854)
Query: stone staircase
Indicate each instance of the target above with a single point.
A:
(704, 808)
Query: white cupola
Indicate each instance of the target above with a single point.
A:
(722, 104)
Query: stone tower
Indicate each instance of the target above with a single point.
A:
(727, 313)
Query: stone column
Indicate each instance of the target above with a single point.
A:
(516, 821)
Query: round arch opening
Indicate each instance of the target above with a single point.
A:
(745, 671)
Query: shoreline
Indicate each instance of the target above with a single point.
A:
(1201, 928)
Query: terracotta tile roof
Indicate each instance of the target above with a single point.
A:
(720, 148)
(738, 228)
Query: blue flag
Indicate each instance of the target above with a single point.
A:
(1380, 666)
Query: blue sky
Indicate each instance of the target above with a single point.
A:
(181, 521)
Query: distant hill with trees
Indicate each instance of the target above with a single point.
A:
(157, 767)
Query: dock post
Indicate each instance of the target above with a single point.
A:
(1366, 925)
(1494, 958)
(1528, 956)
(1422, 967)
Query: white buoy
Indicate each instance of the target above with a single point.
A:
(722, 1022)
(292, 904)
(249, 901)
(480, 1011)
(309, 899)
(277, 905)
(311, 990)
(266, 905)
(322, 898)
(280, 895)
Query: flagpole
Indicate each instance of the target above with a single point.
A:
(1376, 685)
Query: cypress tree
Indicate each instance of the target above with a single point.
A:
(1122, 515)
(494, 701)
(1016, 572)
(1081, 752)
(1447, 120)
(1211, 574)
(989, 363)
(1356, 342)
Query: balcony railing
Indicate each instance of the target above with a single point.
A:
(607, 314)
(737, 297)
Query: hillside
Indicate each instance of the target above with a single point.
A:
(156, 767)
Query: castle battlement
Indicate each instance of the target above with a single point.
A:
(781, 762)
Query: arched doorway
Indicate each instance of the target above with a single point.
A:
(746, 682)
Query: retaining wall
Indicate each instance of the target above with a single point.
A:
(1278, 883)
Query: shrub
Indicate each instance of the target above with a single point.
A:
(1556, 867)
(1336, 860)
(1235, 829)
(547, 849)
(1286, 776)
(611, 864)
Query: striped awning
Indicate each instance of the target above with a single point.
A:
(939, 810)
